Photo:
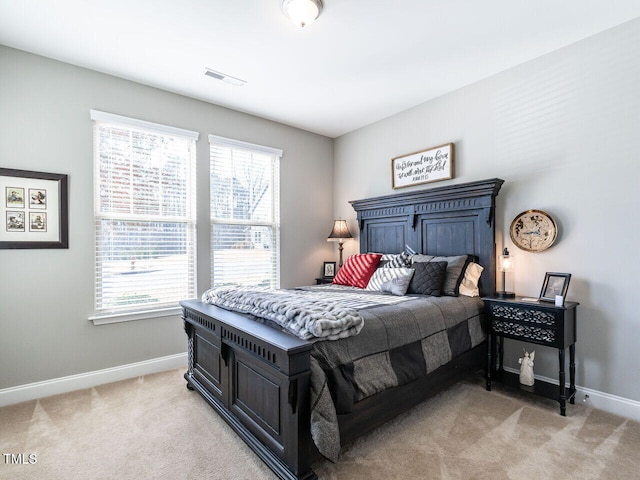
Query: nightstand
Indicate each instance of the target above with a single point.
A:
(322, 280)
(535, 322)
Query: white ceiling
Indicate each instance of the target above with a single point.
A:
(361, 61)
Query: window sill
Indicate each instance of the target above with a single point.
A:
(131, 316)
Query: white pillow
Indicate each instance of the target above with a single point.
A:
(392, 280)
(469, 284)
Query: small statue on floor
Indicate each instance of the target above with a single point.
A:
(526, 368)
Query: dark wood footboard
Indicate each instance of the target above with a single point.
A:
(257, 379)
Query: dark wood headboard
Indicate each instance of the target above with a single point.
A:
(452, 220)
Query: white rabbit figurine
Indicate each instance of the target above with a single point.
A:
(526, 368)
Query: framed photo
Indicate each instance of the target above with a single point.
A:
(37, 198)
(431, 165)
(329, 270)
(35, 209)
(554, 284)
(14, 197)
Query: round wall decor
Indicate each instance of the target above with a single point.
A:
(533, 231)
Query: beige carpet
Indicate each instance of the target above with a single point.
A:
(152, 427)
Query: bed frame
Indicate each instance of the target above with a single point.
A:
(257, 377)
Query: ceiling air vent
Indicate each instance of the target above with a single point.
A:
(224, 77)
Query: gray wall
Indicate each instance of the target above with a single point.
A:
(46, 296)
(563, 131)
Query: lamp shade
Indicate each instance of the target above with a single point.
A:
(505, 262)
(339, 232)
(302, 12)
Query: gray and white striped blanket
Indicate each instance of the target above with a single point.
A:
(309, 313)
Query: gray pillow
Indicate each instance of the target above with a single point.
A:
(455, 270)
(396, 286)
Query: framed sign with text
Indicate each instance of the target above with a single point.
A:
(426, 166)
(34, 209)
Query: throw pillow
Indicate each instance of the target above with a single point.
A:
(357, 270)
(455, 270)
(391, 280)
(469, 284)
(428, 278)
(395, 260)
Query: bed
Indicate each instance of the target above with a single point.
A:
(259, 378)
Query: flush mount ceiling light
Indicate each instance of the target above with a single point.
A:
(224, 77)
(302, 12)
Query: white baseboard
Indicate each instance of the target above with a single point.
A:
(600, 400)
(609, 403)
(22, 393)
(32, 391)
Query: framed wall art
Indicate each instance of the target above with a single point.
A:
(431, 165)
(34, 209)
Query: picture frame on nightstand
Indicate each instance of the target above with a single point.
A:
(555, 284)
(329, 270)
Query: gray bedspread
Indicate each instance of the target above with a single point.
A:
(401, 339)
(399, 343)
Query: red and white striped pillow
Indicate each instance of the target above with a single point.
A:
(357, 270)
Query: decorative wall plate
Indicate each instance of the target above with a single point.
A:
(533, 231)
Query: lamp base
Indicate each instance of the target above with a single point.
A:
(505, 295)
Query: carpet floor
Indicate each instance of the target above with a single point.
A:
(152, 427)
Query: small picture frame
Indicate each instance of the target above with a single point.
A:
(14, 197)
(37, 198)
(555, 284)
(329, 269)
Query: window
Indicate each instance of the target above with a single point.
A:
(245, 213)
(144, 210)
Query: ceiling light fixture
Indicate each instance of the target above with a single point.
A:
(302, 12)
(224, 77)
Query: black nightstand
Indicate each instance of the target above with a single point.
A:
(322, 281)
(536, 322)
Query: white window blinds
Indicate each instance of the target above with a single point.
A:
(144, 210)
(245, 213)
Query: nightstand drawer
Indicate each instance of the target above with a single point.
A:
(524, 315)
(524, 331)
(536, 322)
(526, 323)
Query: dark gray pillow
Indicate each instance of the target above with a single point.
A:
(428, 278)
(455, 270)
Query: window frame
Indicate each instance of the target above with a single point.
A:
(276, 154)
(137, 311)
